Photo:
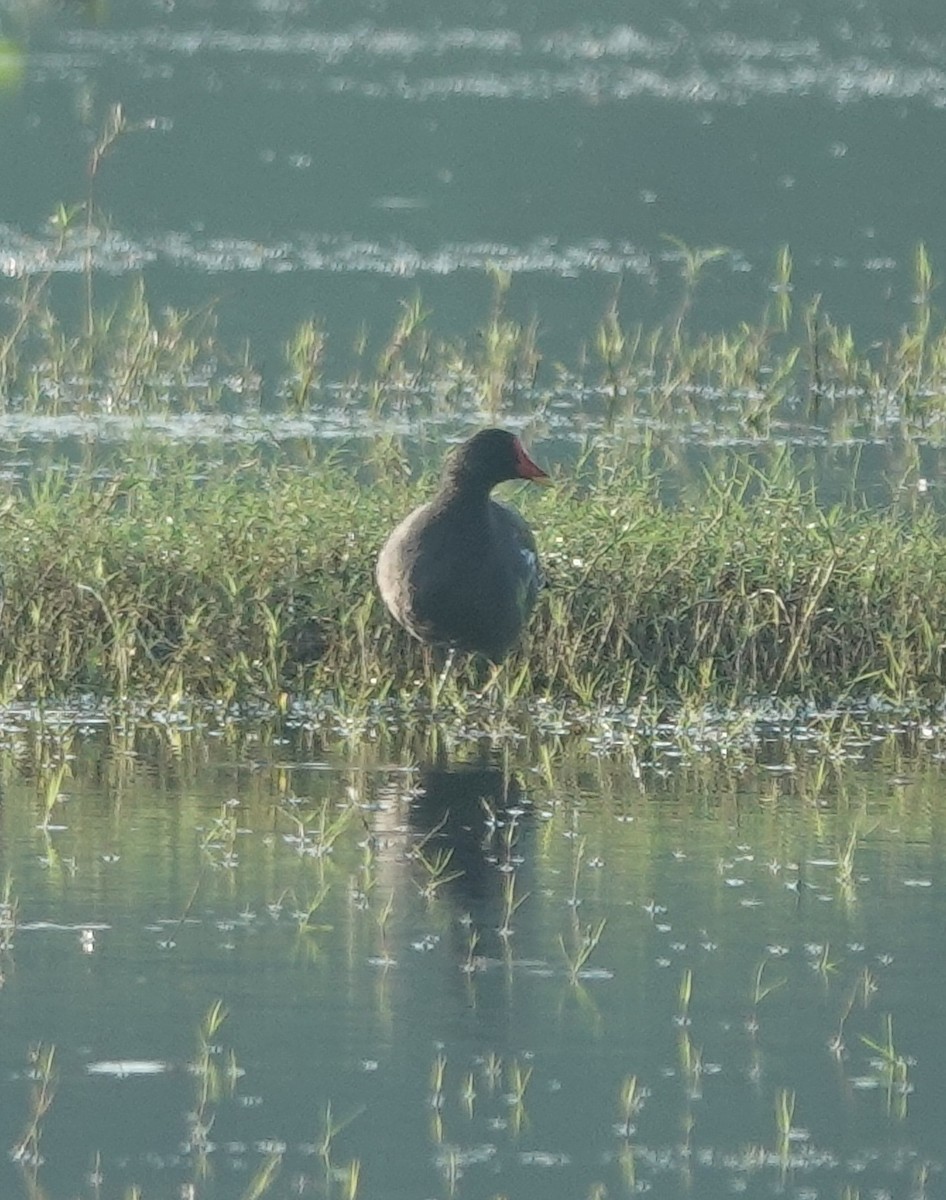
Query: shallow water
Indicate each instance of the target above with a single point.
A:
(331, 159)
(287, 161)
(767, 902)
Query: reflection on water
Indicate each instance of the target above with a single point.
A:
(248, 949)
(612, 62)
(456, 807)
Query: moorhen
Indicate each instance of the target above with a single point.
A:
(463, 571)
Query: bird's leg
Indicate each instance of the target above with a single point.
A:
(437, 690)
(495, 671)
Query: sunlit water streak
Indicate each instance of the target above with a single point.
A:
(613, 65)
(114, 253)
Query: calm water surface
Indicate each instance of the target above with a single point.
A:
(396, 933)
(767, 904)
(295, 160)
(331, 159)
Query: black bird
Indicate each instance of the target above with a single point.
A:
(463, 570)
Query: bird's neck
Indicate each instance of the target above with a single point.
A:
(463, 494)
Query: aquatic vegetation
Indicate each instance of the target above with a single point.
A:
(241, 583)
(43, 1076)
(196, 529)
(437, 871)
(689, 852)
(893, 1070)
(784, 1115)
(585, 942)
(511, 904)
(632, 1099)
(795, 370)
(265, 1177)
(210, 1085)
(8, 915)
(331, 1128)
(761, 990)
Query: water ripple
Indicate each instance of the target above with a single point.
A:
(612, 64)
(116, 253)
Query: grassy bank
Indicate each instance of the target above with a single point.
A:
(254, 581)
(241, 567)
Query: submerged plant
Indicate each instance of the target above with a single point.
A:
(894, 1069)
(42, 1073)
(584, 945)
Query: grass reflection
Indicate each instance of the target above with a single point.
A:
(615, 946)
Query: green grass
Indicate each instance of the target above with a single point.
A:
(680, 569)
(246, 581)
(794, 365)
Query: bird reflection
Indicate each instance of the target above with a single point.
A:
(464, 809)
(460, 833)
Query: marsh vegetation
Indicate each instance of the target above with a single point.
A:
(284, 911)
(196, 529)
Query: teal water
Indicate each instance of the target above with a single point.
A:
(434, 1021)
(326, 159)
(391, 952)
(294, 161)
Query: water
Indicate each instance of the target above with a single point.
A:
(333, 159)
(768, 900)
(767, 903)
(289, 161)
